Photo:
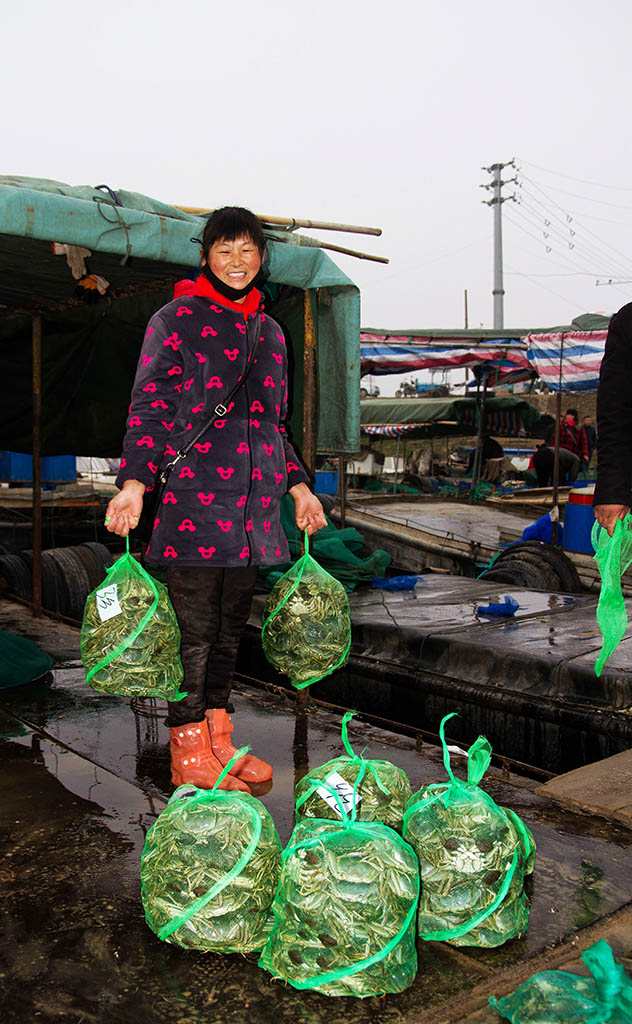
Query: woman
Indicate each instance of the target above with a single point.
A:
(219, 516)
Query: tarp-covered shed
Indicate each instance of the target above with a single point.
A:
(89, 351)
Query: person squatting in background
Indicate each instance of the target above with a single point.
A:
(219, 518)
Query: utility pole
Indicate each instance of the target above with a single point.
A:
(496, 201)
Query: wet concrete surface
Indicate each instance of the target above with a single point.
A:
(84, 776)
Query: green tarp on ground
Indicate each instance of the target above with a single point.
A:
(89, 353)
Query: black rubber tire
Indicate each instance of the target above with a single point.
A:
(16, 576)
(564, 568)
(512, 576)
(538, 570)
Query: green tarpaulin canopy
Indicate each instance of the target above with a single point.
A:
(443, 417)
(89, 352)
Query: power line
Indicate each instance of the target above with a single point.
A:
(581, 181)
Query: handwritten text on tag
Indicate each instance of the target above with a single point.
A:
(336, 782)
(107, 602)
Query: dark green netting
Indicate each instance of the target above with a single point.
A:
(344, 913)
(335, 549)
(473, 857)
(210, 868)
(21, 660)
(379, 789)
(558, 997)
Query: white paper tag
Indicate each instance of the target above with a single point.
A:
(344, 791)
(107, 602)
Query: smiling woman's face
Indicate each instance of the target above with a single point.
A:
(236, 263)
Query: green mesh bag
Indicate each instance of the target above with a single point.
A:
(209, 869)
(473, 856)
(306, 631)
(613, 555)
(130, 638)
(379, 789)
(344, 913)
(557, 997)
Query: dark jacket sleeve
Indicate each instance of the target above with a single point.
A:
(614, 414)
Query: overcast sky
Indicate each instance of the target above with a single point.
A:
(367, 113)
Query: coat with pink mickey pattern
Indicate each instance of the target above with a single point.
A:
(221, 503)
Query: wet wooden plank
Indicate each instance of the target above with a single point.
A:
(603, 788)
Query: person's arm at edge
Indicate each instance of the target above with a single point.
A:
(614, 423)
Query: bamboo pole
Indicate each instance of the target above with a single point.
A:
(308, 448)
(293, 222)
(37, 462)
(556, 457)
(352, 252)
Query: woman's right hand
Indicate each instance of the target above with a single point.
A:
(607, 515)
(123, 511)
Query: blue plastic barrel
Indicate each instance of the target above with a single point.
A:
(578, 520)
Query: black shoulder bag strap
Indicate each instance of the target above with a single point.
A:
(221, 409)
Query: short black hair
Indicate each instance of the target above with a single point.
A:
(229, 223)
(572, 412)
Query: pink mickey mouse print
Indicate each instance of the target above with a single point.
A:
(149, 331)
(268, 448)
(292, 466)
(198, 408)
(156, 524)
(254, 423)
(281, 339)
(225, 525)
(219, 424)
(169, 498)
(206, 331)
(248, 525)
(169, 450)
(269, 382)
(170, 552)
(263, 551)
(207, 498)
(256, 406)
(278, 552)
(243, 448)
(174, 371)
(207, 552)
(200, 358)
(216, 309)
(256, 474)
(150, 387)
(277, 357)
(244, 553)
(203, 446)
(241, 328)
(184, 310)
(173, 341)
(152, 468)
(231, 353)
(278, 477)
(147, 359)
(135, 421)
(225, 472)
(123, 463)
(166, 425)
(188, 384)
(215, 382)
(241, 501)
(265, 500)
(188, 525)
(145, 442)
(159, 404)
(266, 526)
(186, 473)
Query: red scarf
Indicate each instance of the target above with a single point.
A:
(248, 307)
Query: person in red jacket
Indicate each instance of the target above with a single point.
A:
(219, 516)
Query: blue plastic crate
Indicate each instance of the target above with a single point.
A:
(17, 468)
(326, 482)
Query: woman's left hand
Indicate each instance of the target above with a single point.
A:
(308, 511)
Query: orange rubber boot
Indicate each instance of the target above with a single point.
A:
(193, 761)
(248, 768)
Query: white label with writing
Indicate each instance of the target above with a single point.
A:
(336, 782)
(107, 602)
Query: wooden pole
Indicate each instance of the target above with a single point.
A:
(293, 222)
(342, 486)
(309, 418)
(352, 252)
(37, 462)
(556, 457)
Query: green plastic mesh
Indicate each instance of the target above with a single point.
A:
(130, 638)
(209, 870)
(473, 856)
(306, 631)
(613, 555)
(344, 913)
(557, 997)
(381, 790)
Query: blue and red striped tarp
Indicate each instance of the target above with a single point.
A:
(577, 355)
